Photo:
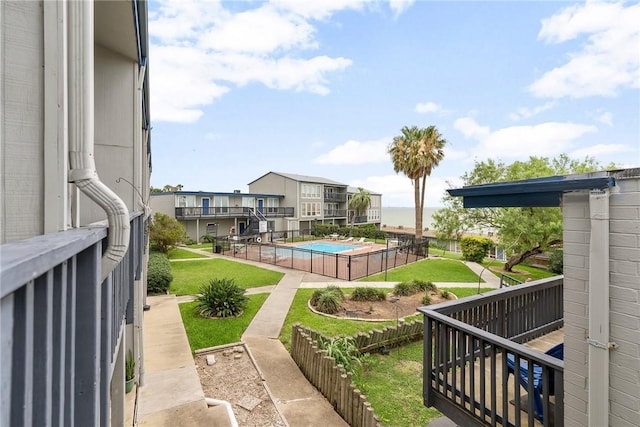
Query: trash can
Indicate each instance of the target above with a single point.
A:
(218, 249)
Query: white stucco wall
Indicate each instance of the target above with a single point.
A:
(624, 304)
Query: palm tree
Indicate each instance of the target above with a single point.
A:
(415, 153)
(359, 203)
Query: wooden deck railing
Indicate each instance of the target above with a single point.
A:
(465, 355)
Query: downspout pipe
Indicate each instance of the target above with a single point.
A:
(598, 340)
(81, 133)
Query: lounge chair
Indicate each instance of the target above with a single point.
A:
(360, 241)
(558, 353)
(348, 239)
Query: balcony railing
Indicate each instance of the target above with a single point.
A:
(335, 197)
(465, 355)
(335, 213)
(61, 328)
(230, 212)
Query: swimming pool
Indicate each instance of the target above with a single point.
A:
(332, 248)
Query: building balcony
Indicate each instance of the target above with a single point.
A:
(335, 213)
(231, 212)
(335, 197)
(473, 346)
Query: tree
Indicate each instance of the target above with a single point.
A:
(359, 203)
(523, 232)
(415, 153)
(165, 232)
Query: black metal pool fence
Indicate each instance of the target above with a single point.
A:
(277, 249)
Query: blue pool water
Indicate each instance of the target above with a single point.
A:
(332, 248)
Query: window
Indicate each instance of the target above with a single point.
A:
(248, 202)
(273, 203)
(186, 201)
(311, 209)
(311, 191)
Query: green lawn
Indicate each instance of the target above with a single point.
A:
(431, 270)
(188, 276)
(202, 246)
(393, 386)
(204, 333)
(528, 273)
(179, 253)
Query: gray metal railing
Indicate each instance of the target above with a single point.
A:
(61, 327)
(506, 280)
(230, 212)
(466, 348)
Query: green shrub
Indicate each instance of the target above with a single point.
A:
(368, 294)
(159, 275)
(221, 298)
(328, 302)
(207, 238)
(165, 232)
(556, 261)
(404, 289)
(422, 285)
(445, 294)
(475, 249)
(344, 351)
(426, 299)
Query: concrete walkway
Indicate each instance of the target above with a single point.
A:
(172, 393)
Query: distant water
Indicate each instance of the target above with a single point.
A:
(406, 217)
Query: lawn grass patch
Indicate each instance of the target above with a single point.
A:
(429, 270)
(201, 246)
(393, 386)
(204, 333)
(533, 273)
(188, 276)
(179, 253)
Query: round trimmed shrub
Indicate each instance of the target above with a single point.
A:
(368, 294)
(159, 275)
(221, 298)
(475, 249)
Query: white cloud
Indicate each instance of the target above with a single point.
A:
(539, 140)
(428, 107)
(397, 190)
(525, 113)
(399, 6)
(201, 51)
(544, 139)
(357, 153)
(319, 10)
(599, 150)
(263, 30)
(470, 128)
(607, 62)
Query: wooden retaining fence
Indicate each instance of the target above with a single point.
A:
(332, 380)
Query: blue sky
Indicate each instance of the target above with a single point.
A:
(241, 88)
